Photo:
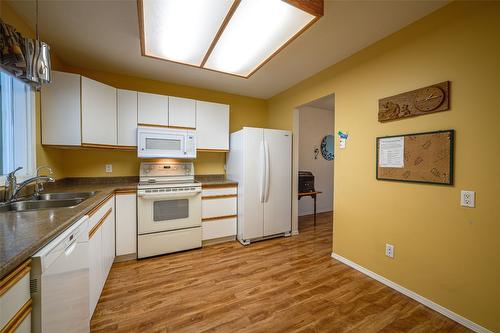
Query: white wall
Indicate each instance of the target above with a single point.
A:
(314, 124)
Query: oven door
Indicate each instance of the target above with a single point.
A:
(161, 144)
(159, 212)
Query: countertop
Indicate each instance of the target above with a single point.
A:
(214, 180)
(22, 234)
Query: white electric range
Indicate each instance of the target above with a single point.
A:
(168, 208)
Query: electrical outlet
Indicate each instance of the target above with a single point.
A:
(468, 199)
(109, 168)
(389, 250)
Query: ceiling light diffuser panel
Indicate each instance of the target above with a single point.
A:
(230, 36)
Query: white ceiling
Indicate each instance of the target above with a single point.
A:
(326, 103)
(104, 36)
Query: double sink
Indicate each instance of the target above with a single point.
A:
(47, 201)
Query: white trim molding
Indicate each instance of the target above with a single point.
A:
(421, 299)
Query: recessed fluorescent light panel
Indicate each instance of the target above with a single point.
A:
(236, 37)
(182, 30)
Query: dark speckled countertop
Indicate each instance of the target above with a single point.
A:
(22, 234)
(214, 180)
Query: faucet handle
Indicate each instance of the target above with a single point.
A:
(44, 167)
(12, 174)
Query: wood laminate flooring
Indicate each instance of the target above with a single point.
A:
(280, 285)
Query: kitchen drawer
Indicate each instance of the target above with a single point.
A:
(97, 213)
(15, 301)
(215, 191)
(225, 206)
(219, 228)
(169, 241)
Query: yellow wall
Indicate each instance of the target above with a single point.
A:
(446, 253)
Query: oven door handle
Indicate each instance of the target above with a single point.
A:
(170, 195)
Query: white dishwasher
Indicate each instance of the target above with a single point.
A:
(60, 283)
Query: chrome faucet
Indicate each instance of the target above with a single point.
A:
(12, 189)
(40, 181)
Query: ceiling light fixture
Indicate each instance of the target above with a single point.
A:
(231, 36)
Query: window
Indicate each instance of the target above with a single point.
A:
(17, 140)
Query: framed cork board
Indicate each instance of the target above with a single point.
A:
(420, 157)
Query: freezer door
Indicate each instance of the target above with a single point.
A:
(278, 187)
(252, 194)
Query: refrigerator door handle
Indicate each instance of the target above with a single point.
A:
(266, 192)
(262, 170)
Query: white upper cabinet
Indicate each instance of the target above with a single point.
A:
(98, 113)
(78, 111)
(126, 101)
(152, 109)
(61, 110)
(212, 126)
(181, 112)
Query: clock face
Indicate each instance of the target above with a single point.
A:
(429, 99)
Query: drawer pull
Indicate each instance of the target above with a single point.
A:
(15, 276)
(101, 221)
(18, 318)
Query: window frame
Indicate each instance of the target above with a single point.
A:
(30, 99)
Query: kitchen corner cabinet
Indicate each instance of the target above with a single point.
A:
(212, 126)
(181, 112)
(126, 109)
(15, 300)
(152, 109)
(98, 113)
(101, 249)
(126, 223)
(60, 105)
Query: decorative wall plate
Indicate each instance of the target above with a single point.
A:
(327, 147)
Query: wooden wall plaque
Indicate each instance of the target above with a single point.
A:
(427, 158)
(418, 102)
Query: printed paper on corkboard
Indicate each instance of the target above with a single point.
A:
(428, 158)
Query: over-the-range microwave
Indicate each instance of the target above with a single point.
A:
(158, 142)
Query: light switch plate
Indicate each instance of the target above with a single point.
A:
(109, 168)
(468, 199)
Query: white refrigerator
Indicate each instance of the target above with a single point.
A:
(260, 160)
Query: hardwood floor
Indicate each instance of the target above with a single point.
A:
(281, 285)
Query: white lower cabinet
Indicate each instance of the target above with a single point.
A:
(218, 212)
(95, 269)
(101, 249)
(126, 223)
(15, 301)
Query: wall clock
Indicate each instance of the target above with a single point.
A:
(429, 99)
(417, 102)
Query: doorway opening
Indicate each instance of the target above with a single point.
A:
(313, 163)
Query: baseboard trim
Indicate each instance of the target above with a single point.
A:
(421, 299)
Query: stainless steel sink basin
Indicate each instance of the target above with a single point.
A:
(19, 206)
(66, 195)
